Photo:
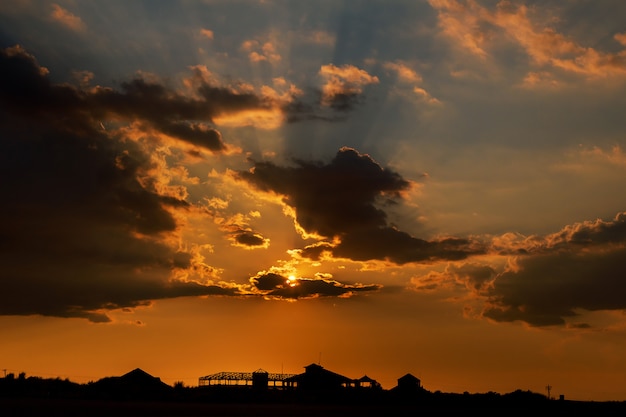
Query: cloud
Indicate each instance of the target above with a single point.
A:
(555, 278)
(596, 232)
(425, 95)
(250, 240)
(319, 37)
(540, 80)
(549, 288)
(67, 19)
(586, 235)
(258, 52)
(614, 156)
(276, 286)
(405, 73)
(236, 227)
(152, 104)
(478, 30)
(463, 22)
(343, 85)
(550, 280)
(472, 275)
(207, 33)
(340, 203)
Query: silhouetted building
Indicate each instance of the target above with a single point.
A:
(409, 389)
(316, 378)
(260, 379)
(409, 382)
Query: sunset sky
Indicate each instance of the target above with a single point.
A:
(434, 187)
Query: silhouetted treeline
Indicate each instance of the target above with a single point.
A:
(36, 387)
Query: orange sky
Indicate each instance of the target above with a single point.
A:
(433, 187)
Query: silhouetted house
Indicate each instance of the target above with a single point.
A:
(316, 378)
(409, 388)
(409, 382)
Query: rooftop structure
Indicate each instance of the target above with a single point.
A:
(245, 378)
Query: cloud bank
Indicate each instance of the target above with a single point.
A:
(477, 30)
(88, 228)
(578, 268)
(547, 280)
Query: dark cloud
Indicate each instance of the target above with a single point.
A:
(344, 101)
(250, 239)
(343, 90)
(399, 247)
(312, 105)
(173, 113)
(579, 268)
(277, 286)
(316, 250)
(269, 281)
(550, 288)
(341, 200)
(478, 275)
(81, 233)
(343, 87)
(193, 133)
(72, 286)
(24, 86)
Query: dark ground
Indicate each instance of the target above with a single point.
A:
(14, 407)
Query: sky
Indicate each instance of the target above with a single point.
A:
(432, 187)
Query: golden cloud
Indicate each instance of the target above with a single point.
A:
(475, 28)
(67, 19)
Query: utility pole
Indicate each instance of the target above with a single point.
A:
(548, 388)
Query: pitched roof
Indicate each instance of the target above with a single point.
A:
(317, 372)
(408, 378)
(137, 374)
